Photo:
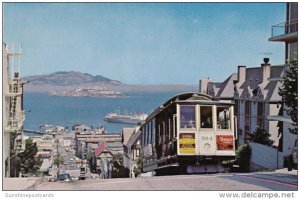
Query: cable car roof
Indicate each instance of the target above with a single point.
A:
(186, 98)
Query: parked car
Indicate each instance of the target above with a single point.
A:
(291, 161)
(295, 155)
(64, 177)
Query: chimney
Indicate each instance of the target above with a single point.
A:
(266, 70)
(241, 74)
(16, 75)
(203, 83)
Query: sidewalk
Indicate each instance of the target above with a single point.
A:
(13, 184)
(281, 175)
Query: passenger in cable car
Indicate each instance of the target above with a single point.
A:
(191, 124)
(206, 123)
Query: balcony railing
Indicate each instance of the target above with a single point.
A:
(285, 28)
(15, 123)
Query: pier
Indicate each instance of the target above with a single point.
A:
(37, 132)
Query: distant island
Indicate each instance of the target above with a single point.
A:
(89, 92)
(74, 83)
(68, 78)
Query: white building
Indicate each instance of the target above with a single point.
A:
(256, 96)
(255, 93)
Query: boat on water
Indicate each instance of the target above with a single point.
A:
(138, 118)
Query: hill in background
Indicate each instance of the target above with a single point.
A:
(71, 78)
(63, 80)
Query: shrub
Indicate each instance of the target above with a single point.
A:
(243, 156)
(262, 137)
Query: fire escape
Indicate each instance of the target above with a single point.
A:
(16, 114)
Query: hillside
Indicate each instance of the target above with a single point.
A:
(70, 78)
(66, 81)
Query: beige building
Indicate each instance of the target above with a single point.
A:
(13, 113)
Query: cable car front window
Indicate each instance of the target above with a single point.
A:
(187, 117)
(206, 117)
(223, 118)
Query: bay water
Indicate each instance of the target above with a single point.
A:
(41, 109)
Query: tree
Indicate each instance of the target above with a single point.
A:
(119, 171)
(280, 131)
(29, 163)
(289, 93)
(14, 158)
(91, 158)
(117, 160)
(58, 160)
(138, 170)
(15, 165)
(262, 137)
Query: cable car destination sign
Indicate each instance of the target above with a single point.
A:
(187, 143)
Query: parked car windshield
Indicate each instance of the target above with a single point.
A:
(63, 176)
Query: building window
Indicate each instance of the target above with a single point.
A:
(206, 117)
(223, 118)
(260, 115)
(247, 116)
(236, 107)
(236, 111)
(187, 117)
(138, 153)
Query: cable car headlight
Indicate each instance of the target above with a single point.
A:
(206, 146)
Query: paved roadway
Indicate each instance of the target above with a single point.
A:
(203, 182)
(69, 165)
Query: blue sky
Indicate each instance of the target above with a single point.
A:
(143, 43)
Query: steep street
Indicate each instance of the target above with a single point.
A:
(204, 182)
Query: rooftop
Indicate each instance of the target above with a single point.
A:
(127, 132)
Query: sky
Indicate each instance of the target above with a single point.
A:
(143, 43)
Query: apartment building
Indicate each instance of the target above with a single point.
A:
(287, 32)
(12, 108)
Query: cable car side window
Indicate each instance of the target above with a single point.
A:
(153, 131)
(223, 118)
(206, 117)
(187, 117)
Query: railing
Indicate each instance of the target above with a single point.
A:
(285, 28)
(16, 123)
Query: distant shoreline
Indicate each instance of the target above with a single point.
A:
(124, 88)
